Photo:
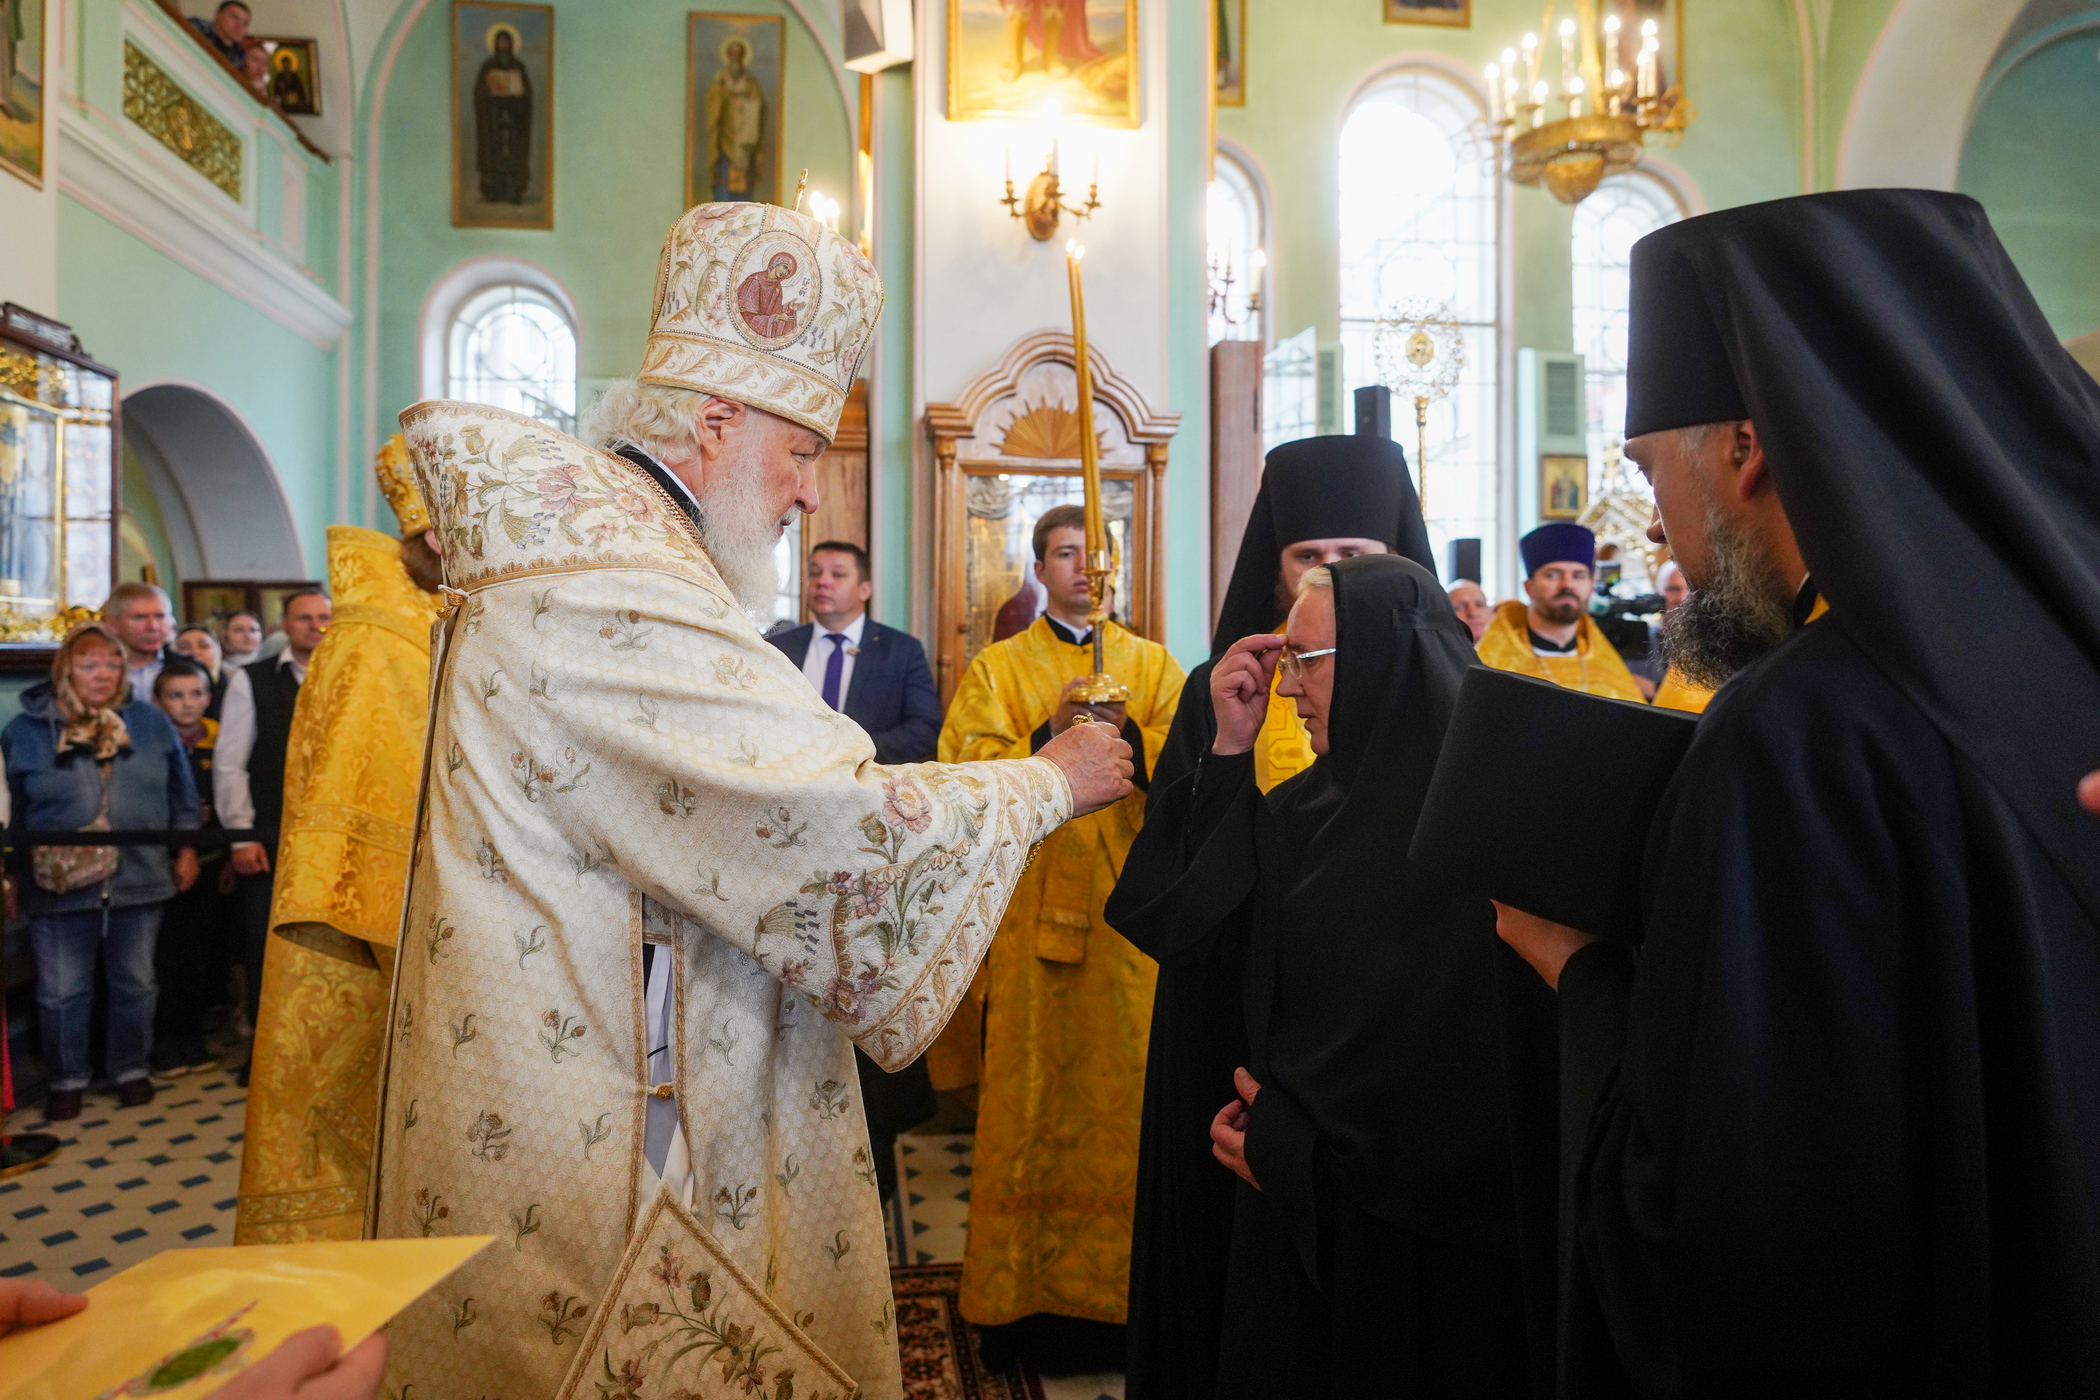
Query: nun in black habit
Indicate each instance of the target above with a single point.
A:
(1316, 489)
(1379, 1255)
(1835, 1124)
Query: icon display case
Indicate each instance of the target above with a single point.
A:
(59, 486)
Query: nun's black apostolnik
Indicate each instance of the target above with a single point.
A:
(1313, 489)
(1380, 1255)
(1835, 1129)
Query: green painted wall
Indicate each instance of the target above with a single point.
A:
(150, 318)
(2028, 161)
(1188, 459)
(619, 161)
(890, 457)
(1742, 66)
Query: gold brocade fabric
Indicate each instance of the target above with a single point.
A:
(1066, 1009)
(1677, 693)
(1593, 666)
(351, 769)
(1283, 749)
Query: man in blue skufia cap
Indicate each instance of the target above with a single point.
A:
(1552, 637)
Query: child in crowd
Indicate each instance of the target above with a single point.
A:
(190, 959)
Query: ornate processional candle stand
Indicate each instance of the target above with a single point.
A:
(1100, 688)
(1419, 351)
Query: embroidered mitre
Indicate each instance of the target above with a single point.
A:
(765, 306)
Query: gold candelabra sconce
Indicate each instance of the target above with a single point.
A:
(1220, 280)
(1041, 206)
(1610, 107)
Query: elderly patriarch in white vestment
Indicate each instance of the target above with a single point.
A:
(659, 886)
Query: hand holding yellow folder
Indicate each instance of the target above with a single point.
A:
(183, 1323)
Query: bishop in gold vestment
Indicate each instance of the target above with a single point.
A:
(351, 766)
(1066, 1003)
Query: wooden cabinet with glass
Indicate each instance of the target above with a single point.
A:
(58, 486)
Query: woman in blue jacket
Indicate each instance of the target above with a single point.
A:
(84, 739)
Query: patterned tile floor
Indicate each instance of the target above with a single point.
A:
(129, 1182)
(932, 1221)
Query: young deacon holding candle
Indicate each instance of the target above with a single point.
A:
(1062, 1007)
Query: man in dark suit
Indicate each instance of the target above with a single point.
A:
(875, 675)
(878, 677)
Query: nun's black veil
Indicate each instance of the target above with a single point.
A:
(1315, 488)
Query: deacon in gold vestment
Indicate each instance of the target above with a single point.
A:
(1065, 1002)
(351, 766)
(1559, 560)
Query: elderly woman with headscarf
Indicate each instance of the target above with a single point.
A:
(87, 754)
(1374, 1238)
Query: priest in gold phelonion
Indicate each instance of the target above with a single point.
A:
(659, 889)
(351, 765)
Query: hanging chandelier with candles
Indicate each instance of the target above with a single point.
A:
(1609, 108)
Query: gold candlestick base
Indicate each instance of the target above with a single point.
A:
(1100, 688)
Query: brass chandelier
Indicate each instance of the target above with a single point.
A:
(1609, 107)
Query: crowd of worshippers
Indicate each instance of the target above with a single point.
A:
(144, 725)
(1266, 1107)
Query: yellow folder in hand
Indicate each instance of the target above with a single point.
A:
(184, 1322)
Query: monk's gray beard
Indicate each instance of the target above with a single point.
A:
(740, 533)
(1740, 611)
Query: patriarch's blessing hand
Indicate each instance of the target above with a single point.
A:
(1228, 1131)
(1096, 762)
(1547, 946)
(1239, 691)
(312, 1365)
(2089, 792)
(31, 1302)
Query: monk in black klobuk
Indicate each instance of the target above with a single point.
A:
(1378, 1253)
(1835, 1125)
(1321, 499)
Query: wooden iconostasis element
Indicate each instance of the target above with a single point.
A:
(842, 483)
(1006, 451)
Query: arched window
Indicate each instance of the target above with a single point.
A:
(1418, 220)
(1233, 237)
(1625, 209)
(513, 346)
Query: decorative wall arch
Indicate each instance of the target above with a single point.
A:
(1910, 108)
(1265, 200)
(220, 495)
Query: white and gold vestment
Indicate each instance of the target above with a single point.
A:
(616, 756)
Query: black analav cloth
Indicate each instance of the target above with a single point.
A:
(1384, 1241)
(1836, 1128)
(1334, 487)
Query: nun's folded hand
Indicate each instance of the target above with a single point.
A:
(1239, 691)
(1228, 1130)
(1547, 946)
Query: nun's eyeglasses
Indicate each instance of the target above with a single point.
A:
(1294, 661)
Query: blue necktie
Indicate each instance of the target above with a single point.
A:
(834, 667)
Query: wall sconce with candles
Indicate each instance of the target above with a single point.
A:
(1221, 279)
(1610, 112)
(1042, 205)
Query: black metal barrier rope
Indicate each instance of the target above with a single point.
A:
(199, 838)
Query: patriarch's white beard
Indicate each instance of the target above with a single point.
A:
(739, 532)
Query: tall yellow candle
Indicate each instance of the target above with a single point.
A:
(1089, 449)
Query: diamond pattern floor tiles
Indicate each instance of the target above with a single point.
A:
(129, 1182)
